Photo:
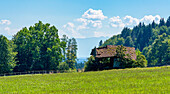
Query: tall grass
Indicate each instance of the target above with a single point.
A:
(129, 81)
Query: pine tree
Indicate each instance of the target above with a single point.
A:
(100, 43)
(168, 22)
(162, 22)
(129, 42)
(153, 24)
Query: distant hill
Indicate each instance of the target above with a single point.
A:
(153, 40)
(86, 44)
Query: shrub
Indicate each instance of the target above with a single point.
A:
(63, 66)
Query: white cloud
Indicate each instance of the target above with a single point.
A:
(91, 19)
(149, 19)
(69, 30)
(94, 14)
(68, 25)
(7, 29)
(130, 21)
(116, 22)
(7, 22)
(94, 23)
(86, 24)
(97, 24)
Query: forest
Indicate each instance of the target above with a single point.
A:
(153, 40)
(37, 48)
(40, 48)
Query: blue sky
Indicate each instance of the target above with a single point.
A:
(80, 18)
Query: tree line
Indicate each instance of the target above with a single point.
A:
(153, 40)
(37, 48)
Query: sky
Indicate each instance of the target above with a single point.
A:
(80, 18)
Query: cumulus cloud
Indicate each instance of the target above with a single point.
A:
(94, 14)
(6, 22)
(68, 25)
(91, 19)
(69, 30)
(129, 21)
(149, 19)
(116, 22)
(86, 24)
(93, 23)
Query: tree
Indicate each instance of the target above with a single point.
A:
(153, 24)
(91, 64)
(147, 39)
(63, 66)
(64, 41)
(100, 43)
(126, 32)
(120, 41)
(168, 22)
(39, 48)
(71, 53)
(159, 51)
(162, 22)
(129, 42)
(120, 54)
(7, 61)
(141, 60)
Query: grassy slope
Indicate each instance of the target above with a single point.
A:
(129, 81)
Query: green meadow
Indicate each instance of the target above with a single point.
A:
(154, 80)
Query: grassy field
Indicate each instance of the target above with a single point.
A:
(129, 81)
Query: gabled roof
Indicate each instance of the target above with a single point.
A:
(110, 51)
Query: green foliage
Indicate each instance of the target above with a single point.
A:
(90, 65)
(79, 65)
(100, 43)
(71, 54)
(159, 52)
(120, 52)
(124, 59)
(141, 60)
(126, 32)
(64, 41)
(121, 60)
(39, 48)
(120, 41)
(162, 22)
(153, 80)
(168, 22)
(7, 60)
(63, 66)
(143, 37)
(129, 42)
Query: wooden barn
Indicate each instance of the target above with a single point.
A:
(110, 52)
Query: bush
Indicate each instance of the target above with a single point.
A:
(141, 59)
(90, 65)
(63, 66)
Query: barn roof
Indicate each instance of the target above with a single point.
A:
(110, 51)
